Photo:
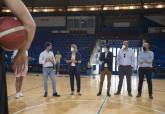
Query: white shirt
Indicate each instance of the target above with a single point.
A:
(126, 57)
(145, 59)
(73, 57)
(44, 56)
(15, 53)
(106, 65)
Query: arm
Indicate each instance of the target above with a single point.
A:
(133, 59)
(68, 59)
(111, 59)
(20, 10)
(140, 61)
(118, 58)
(79, 58)
(41, 59)
(53, 59)
(150, 59)
(101, 57)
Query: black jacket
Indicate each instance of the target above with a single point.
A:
(108, 59)
(78, 58)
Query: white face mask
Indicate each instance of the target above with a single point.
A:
(123, 46)
(72, 49)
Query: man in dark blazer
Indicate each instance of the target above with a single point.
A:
(107, 59)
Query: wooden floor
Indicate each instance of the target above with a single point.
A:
(33, 101)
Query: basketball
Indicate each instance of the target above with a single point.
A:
(12, 33)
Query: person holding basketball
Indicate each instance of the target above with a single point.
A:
(21, 12)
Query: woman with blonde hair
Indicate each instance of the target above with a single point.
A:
(73, 60)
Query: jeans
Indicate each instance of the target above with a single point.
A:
(49, 72)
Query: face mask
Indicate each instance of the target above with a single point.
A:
(144, 49)
(123, 46)
(72, 49)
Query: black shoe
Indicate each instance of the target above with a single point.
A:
(45, 94)
(117, 93)
(99, 93)
(56, 95)
(138, 95)
(130, 94)
(108, 94)
(150, 96)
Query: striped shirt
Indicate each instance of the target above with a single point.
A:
(126, 57)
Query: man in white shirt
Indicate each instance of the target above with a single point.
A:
(125, 61)
(145, 60)
(47, 60)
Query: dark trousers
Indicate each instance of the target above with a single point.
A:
(107, 72)
(74, 72)
(3, 86)
(125, 71)
(147, 72)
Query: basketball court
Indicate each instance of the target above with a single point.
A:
(88, 103)
(82, 39)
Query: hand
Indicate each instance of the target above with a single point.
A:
(47, 60)
(19, 61)
(73, 61)
(68, 61)
(51, 60)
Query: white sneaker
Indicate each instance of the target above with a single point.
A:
(20, 94)
(17, 95)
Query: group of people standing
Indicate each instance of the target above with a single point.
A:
(48, 61)
(126, 62)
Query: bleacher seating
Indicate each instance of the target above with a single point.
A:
(61, 42)
(158, 46)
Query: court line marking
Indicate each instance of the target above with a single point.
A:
(26, 90)
(144, 107)
(32, 107)
(102, 105)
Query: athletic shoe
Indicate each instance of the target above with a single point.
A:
(21, 94)
(17, 95)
